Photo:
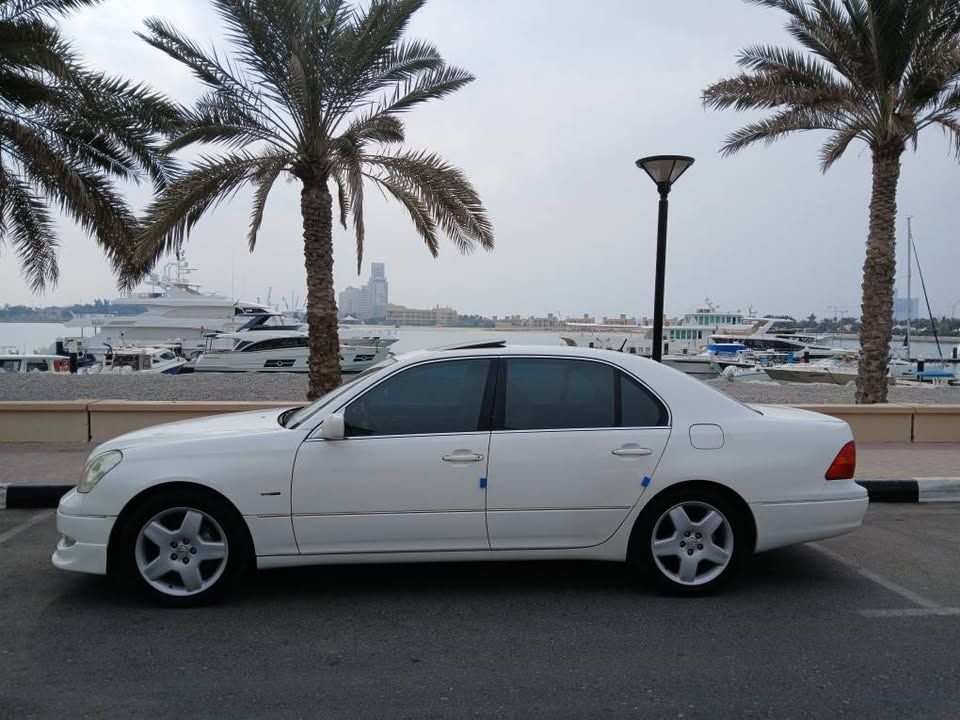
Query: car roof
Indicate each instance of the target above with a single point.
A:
(499, 350)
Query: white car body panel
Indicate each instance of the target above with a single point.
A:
(579, 491)
(371, 499)
(390, 494)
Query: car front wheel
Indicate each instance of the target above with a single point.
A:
(691, 542)
(184, 548)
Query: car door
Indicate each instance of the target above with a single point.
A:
(410, 474)
(572, 444)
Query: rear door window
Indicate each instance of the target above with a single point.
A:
(555, 393)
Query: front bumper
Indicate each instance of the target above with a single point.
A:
(839, 510)
(83, 543)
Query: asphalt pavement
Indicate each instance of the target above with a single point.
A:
(863, 626)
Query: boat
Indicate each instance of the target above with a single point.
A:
(13, 361)
(174, 311)
(135, 359)
(684, 340)
(839, 370)
(687, 336)
(777, 335)
(755, 373)
(280, 351)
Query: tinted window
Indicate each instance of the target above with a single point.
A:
(9, 366)
(544, 394)
(639, 408)
(442, 397)
(37, 365)
(277, 344)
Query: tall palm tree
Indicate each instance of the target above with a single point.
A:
(877, 71)
(65, 131)
(314, 91)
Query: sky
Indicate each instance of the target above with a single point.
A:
(568, 95)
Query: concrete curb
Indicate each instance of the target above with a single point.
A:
(912, 490)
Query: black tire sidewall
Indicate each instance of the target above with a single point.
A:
(220, 510)
(641, 552)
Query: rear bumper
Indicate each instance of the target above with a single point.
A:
(83, 543)
(841, 511)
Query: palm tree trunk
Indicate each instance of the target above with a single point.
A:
(316, 206)
(879, 271)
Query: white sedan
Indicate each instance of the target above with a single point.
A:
(487, 452)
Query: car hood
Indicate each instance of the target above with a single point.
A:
(205, 428)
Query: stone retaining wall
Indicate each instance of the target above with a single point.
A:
(100, 420)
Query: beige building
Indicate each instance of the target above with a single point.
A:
(550, 322)
(402, 315)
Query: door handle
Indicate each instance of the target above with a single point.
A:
(632, 450)
(462, 456)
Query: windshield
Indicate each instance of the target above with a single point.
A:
(305, 413)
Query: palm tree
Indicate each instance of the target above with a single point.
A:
(315, 92)
(876, 71)
(65, 131)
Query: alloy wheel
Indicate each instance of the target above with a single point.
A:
(692, 543)
(181, 551)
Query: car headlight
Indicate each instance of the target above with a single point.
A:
(97, 467)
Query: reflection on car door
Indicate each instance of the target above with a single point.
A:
(572, 443)
(409, 476)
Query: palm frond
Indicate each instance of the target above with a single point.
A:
(776, 126)
(444, 190)
(169, 218)
(30, 231)
(263, 181)
(836, 145)
(403, 193)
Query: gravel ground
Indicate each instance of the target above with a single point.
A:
(823, 394)
(205, 386)
(287, 386)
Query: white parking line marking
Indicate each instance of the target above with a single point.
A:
(27, 524)
(878, 579)
(910, 612)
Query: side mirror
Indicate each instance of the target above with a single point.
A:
(333, 427)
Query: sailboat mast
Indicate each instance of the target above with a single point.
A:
(909, 275)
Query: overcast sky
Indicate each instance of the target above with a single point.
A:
(567, 96)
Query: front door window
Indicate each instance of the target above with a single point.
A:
(440, 397)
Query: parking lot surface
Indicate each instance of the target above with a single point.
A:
(866, 625)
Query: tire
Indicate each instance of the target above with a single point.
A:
(666, 548)
(183, 547)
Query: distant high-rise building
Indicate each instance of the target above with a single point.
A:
(905, 307)
(369, 301)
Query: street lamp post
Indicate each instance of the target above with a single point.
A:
(664, 170)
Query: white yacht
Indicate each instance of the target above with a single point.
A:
(684, 340)
(147, 360)
(280, 351)
(175, 311)
(774, 334)
(838, 370)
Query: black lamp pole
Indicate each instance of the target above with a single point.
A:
(664, 171)
(664, 189)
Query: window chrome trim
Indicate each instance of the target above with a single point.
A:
(351, 438)
(501, 358)
(397, 371)
(602, 361)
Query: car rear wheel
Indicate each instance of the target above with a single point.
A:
(184, 547)
(691, 542)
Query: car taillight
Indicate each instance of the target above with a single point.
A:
(844, 464)
(61, 365)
